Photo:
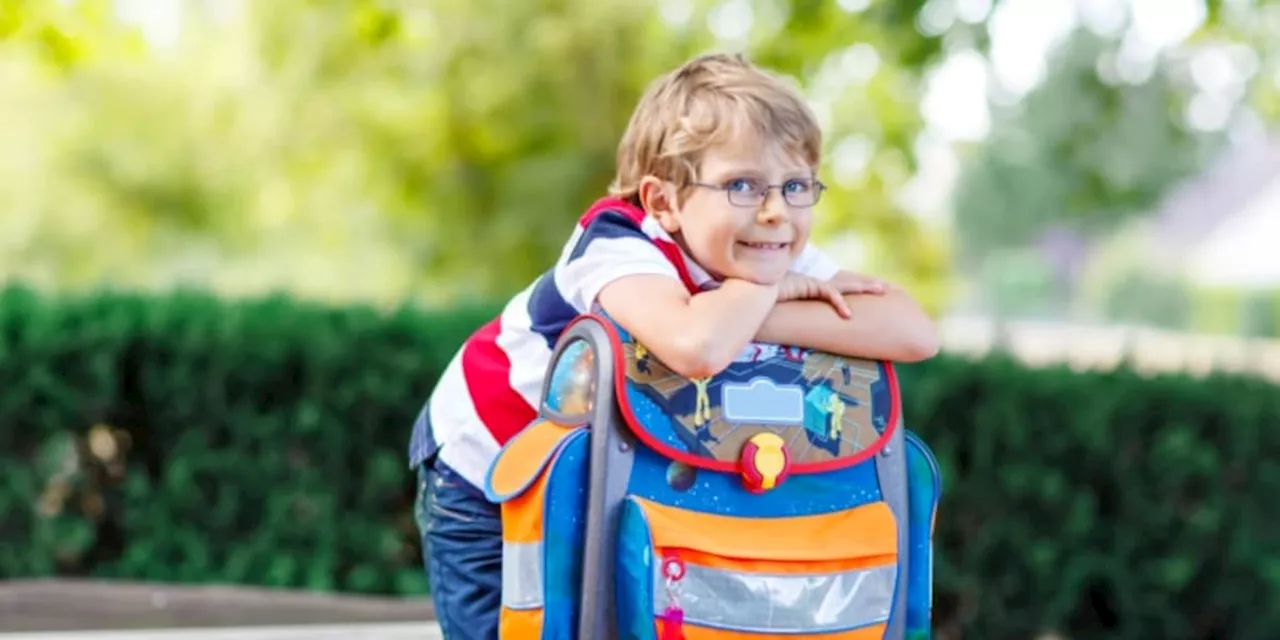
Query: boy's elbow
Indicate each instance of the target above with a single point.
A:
(693, 356)
(919, 350)
(921, 343)
(694, 369)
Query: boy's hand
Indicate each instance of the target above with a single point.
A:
(850, 282)
(795, 286)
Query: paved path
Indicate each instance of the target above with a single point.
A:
(389, 631)
(110, 610)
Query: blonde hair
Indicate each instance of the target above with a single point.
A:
(707, 101)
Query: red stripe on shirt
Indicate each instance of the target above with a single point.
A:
(632, 212)
(487, 370)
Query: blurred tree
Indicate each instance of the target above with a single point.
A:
(366, 148)
(1244, 33)
(1078, 152)
(1097, 145)
(383, 148)
(1125, 282)
(63, 34)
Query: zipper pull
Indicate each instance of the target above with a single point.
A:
(672, 624)
(672, 627)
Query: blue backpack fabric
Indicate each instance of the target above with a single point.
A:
(781, 498)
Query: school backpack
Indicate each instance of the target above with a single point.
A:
(781, 498)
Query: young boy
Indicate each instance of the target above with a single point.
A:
(702, 247)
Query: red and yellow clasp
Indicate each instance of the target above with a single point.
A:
(765, 462)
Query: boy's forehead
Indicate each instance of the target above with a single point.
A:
(752, 153)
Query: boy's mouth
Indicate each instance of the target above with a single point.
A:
(767, 246)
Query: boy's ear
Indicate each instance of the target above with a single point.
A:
(658, 199)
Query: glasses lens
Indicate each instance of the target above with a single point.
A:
(744, 198)
(796, 194)
(801, 194)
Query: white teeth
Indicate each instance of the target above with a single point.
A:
(765, 245)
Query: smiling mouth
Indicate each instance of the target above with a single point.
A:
(765, 245)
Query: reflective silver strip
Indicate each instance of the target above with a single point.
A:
(522, 575)
(772, 603)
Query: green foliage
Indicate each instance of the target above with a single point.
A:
(1260, 314)
(262, 442)
(191, 440)
(444, 148)
(1017, 283)
(1101, 505)
(1254, 314)
(66, 35)
(1149, 299)
(1248, 30)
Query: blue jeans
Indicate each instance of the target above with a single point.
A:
(462, 550)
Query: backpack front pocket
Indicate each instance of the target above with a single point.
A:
(713, 577)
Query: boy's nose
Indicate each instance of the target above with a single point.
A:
(774, 209)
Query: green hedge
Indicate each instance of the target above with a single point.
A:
(256, 442)
(185, 438)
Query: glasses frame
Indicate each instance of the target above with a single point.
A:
(760, 195)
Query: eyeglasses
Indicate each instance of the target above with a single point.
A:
(744, 192)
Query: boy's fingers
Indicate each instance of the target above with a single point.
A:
(861, 284)
(838, 301)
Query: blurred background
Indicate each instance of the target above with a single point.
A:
(1097, 161)
(1095, 182)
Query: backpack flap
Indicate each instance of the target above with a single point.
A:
(522, 460)
(538, 479)
(775, 411)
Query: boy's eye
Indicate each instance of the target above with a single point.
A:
(742, 185)
(796, 186)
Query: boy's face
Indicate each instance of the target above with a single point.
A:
(728, 229)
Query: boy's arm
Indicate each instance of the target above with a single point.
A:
(696, 336)
(614, 263)
(881, 326)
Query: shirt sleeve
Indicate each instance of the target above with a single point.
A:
(815, 263)
(609, 248)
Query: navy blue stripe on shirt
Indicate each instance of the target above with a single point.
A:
(608, 225)
(548, 311)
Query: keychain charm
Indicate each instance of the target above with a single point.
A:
(671, 627)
